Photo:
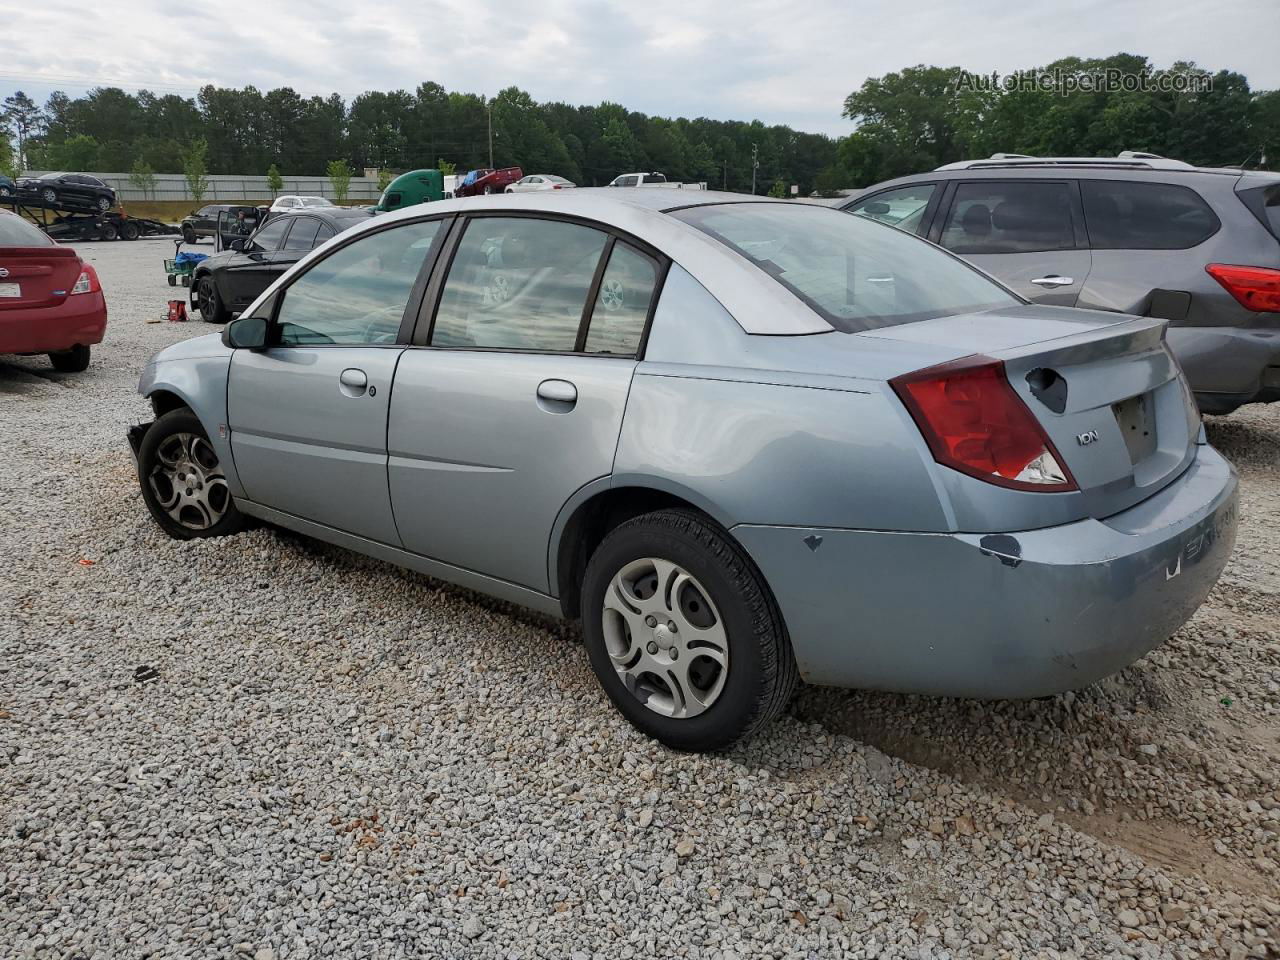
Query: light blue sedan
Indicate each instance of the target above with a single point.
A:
(745, 441)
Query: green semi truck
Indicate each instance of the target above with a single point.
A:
(416, 186)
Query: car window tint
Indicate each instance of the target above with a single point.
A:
(1273, 208)
(903, 207)
(204, 212)
(654, 178)
(17, 232)
(1009, 217)
(303, 234)
(1123, 215)
(519, 284)
(268, 238)
(325, 232)
(357, 294)
(856, 274)
(622, 303)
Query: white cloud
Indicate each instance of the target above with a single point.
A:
(729, 60)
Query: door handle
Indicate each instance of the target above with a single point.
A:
(353, 382)
(558, 395)
(1053, 281)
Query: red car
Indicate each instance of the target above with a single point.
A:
(50, 300)
(487, 181)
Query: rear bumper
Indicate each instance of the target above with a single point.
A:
(79, 319)
(1011, 615)
(1229, 366)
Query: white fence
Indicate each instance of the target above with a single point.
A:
(173, 186)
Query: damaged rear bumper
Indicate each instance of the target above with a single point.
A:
(1014, 615)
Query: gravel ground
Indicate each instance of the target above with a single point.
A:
(339, 758)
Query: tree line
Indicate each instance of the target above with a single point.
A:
(903, 122)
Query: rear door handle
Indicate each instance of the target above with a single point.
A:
(353, 382)
(558, 391)
(1053, 281)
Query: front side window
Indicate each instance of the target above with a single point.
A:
(358, 294)
(1125, 215)
(622, 303)
(1023, 216)
(518, 283)
(269, 237)
(303, 234)
(856, 274)
(903, 207)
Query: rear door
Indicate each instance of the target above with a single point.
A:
(1028, 233)
(308, 415)
(515, 399)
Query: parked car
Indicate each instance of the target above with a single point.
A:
(50, 300)
(7, 186)
(224, 284)
(1136, 234)
(637, 179)
(744, 440)
(482, 181)
(291, 203)
(69, 191)
(203, 222)
(539, 181)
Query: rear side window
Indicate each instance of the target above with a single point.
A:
(1125, 215)
(654, 178)
(518, 283)
(16, 232)
(856, 274)
(903, 207)
(1273, 209)
(303, 234)
(622, 304)
(1023, 216)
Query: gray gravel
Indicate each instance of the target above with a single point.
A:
(342, 759)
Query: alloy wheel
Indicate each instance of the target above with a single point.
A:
(188, 481)
(665, 638)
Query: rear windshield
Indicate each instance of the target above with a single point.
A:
(858, 274)
(16, 232)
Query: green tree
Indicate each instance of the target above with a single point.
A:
(24, 118)
(7, 165)
(193, 169)
(385, 177)
(446, 168)
(143, 178)
(275, 182)
(80, 152)
(778, 190)
(339, 175)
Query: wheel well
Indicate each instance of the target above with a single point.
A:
(590, 524)
(162, 402)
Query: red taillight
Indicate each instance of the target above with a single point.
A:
(1256, 288)
(975, 423)
(556, 186)
(87, 282)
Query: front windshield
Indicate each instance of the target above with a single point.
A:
(858, 274)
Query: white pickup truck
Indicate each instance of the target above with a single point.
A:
(653, 180)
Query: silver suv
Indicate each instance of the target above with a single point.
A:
(1136, 234)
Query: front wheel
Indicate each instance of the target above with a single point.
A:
(105, 204)
(75, 360)
(683, 632)
(5, 192)
(208, 302)
(188, 233)
(183, 483)
(49, 195)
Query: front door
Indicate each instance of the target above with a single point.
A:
(1027, 233)
(308, 416)
(516, 400)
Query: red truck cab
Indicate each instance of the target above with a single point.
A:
(50, 300)
(485, 180)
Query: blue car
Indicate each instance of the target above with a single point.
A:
(7, 189)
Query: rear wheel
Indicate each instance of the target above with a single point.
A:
(75, 360)
(208, 301)
(129, 230)
(182, 481)
(683, 632)
(104, 204)
(108, 232)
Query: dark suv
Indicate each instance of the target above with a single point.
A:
(203, 222)
(69, 191)
(1135, 234)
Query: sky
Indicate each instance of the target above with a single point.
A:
(743, 60)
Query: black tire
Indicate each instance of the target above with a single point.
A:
(49, 195)
(5, 192)
(208, 302)
(163, 434)
(490, 189)
(104, 204)
(173, 279)
(188, 233)
(762, 671)
(75, 360)
(129, 231)
(108, 232)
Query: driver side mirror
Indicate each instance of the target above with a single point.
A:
(237, 244)
(247, 333)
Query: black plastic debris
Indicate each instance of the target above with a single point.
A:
(145, 674)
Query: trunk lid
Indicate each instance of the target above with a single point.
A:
(37, 276)
(1104, 388)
